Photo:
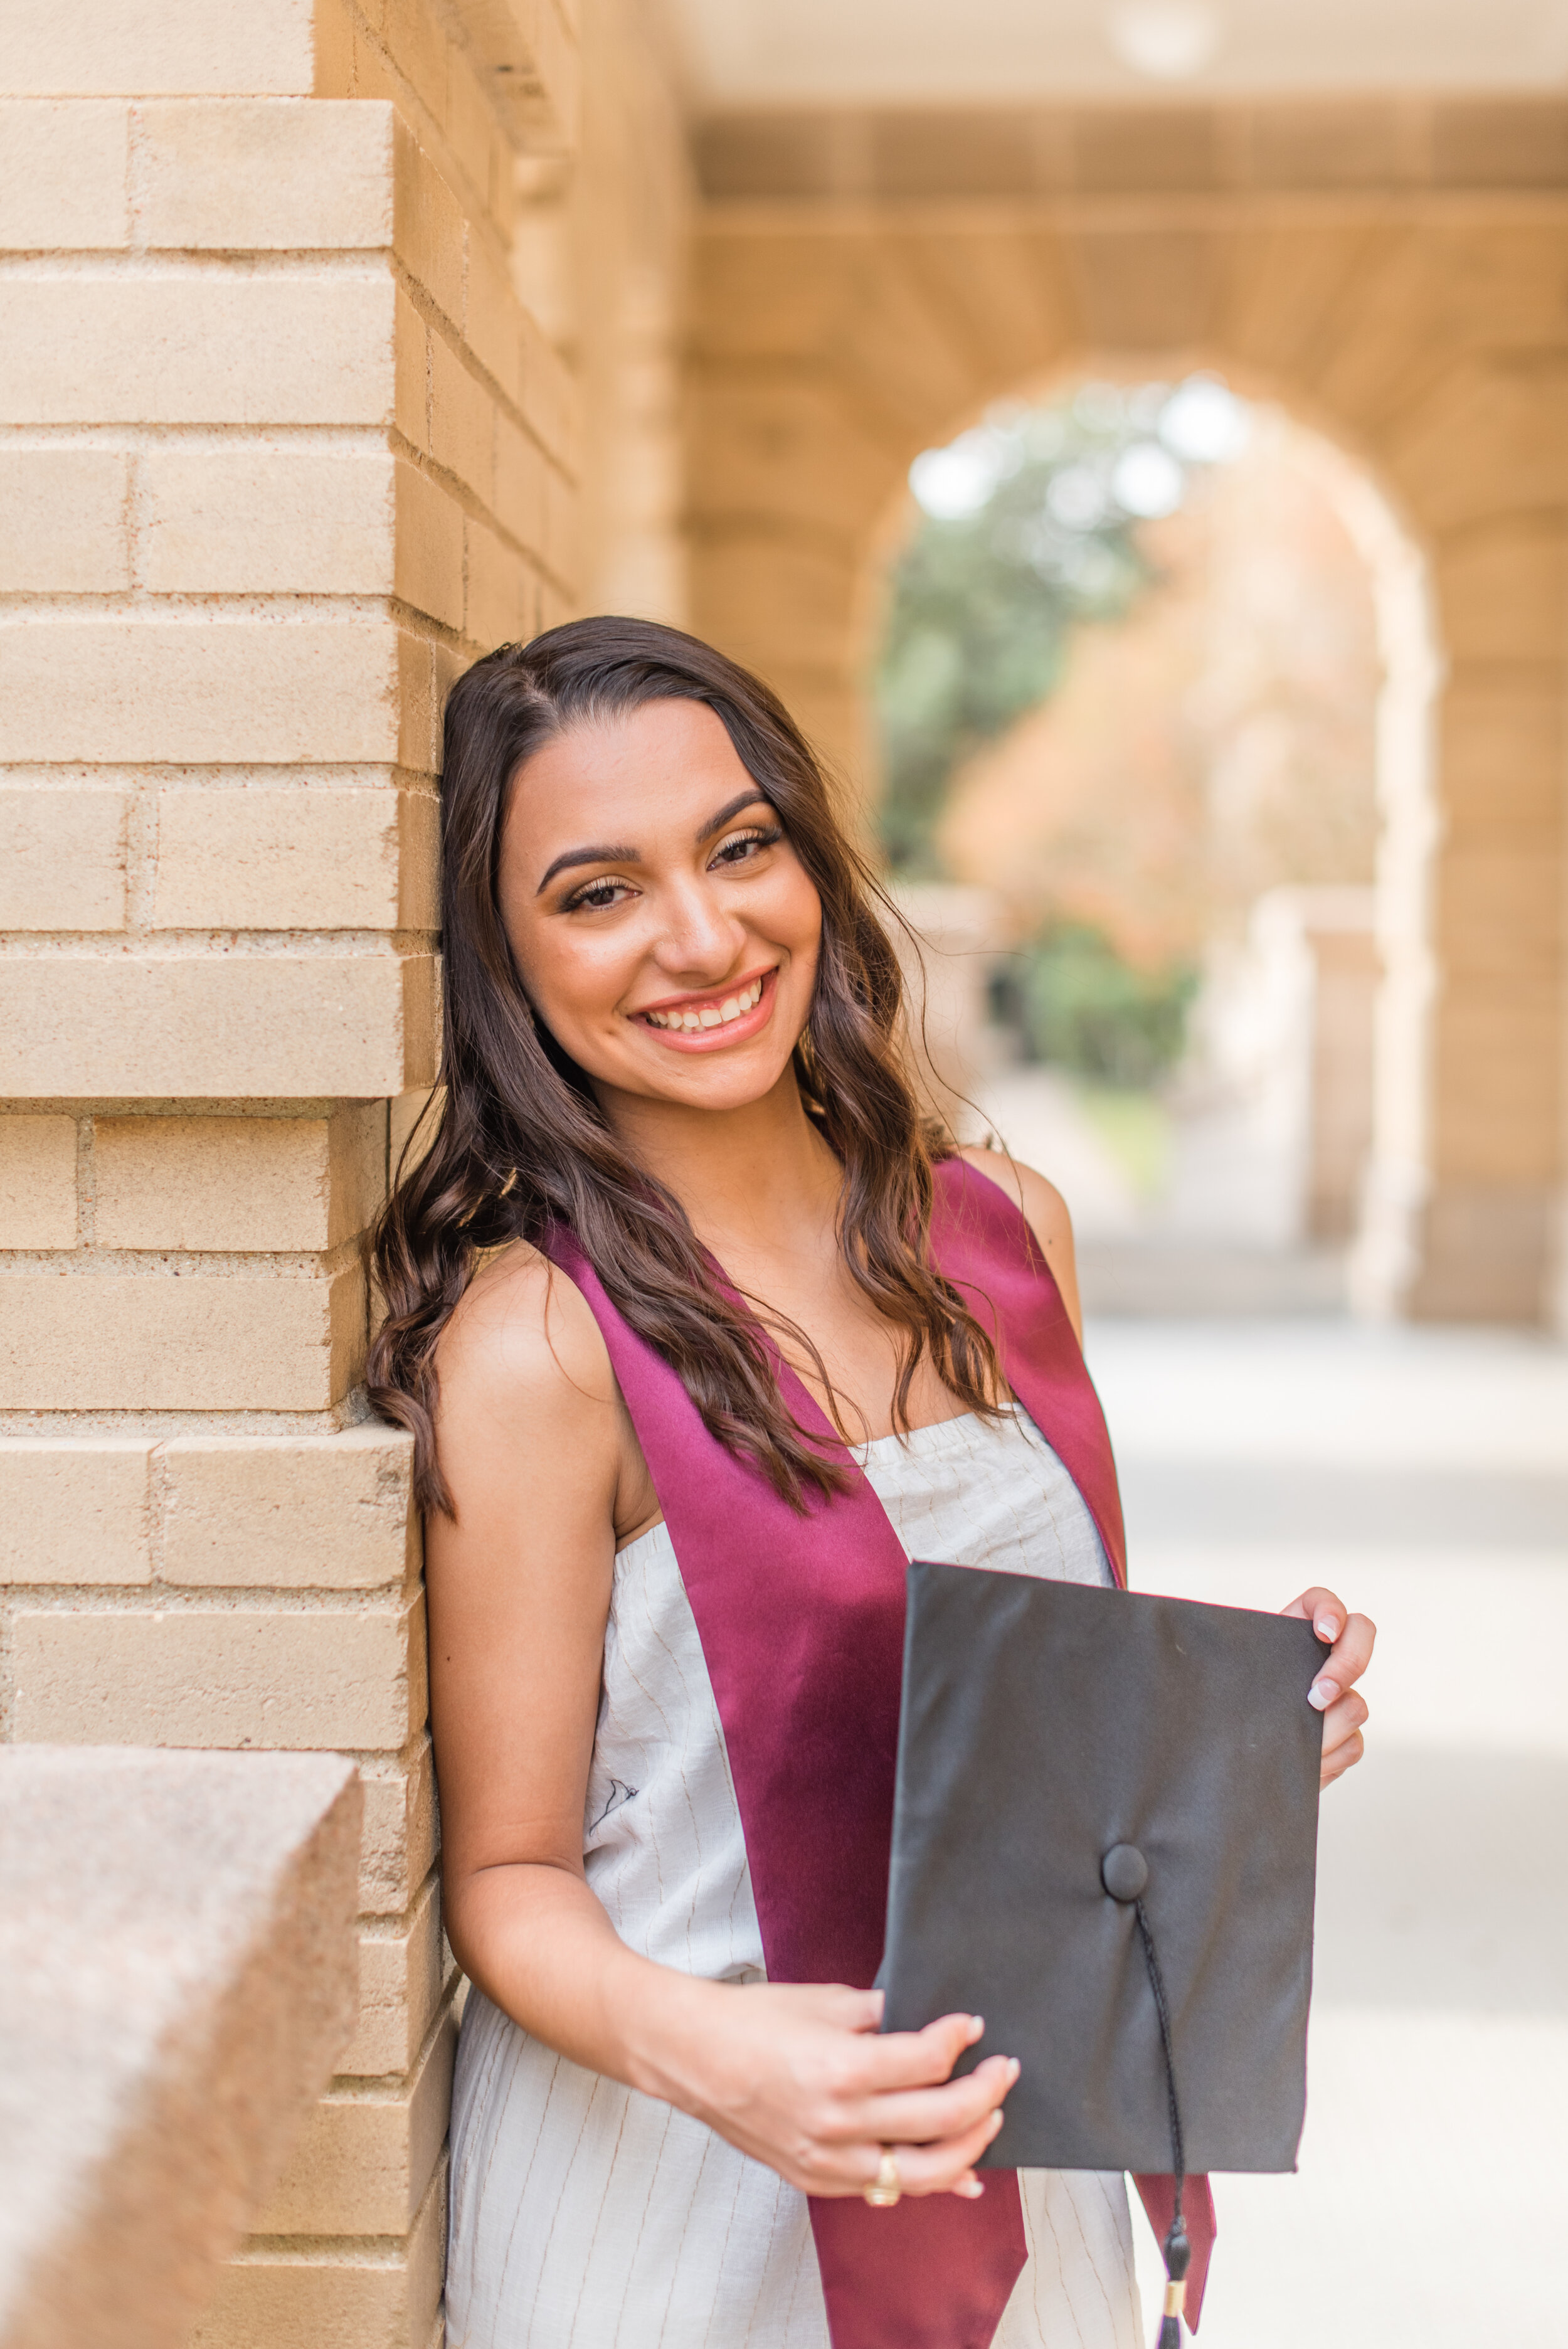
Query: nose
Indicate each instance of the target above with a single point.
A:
(700, 941)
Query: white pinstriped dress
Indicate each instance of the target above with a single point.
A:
(584, 2216)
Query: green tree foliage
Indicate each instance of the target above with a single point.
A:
(1081, 1007)
(1027, 529)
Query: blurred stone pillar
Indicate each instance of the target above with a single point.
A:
(1492, 478)
(948, 941)
(1342, 938)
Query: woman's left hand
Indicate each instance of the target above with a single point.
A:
(1348, 1638)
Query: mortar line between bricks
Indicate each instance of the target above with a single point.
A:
(362, 263)
(388, 946)
(462, 350)
(332, 2251)
(196, 774)
(208, 608)
(469, 500)
(383, 1925)
(269, 1601)
(420, 119)
(375, 2253)
(393, 2087)
(157, 1506)
(342, 1418)
(308, 1107)
(334, 439)
(91, 1262)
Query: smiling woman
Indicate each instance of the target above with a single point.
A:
(689, 1317)
(571, 1099)
(741, 880)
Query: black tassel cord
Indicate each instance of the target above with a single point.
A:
(1178, 2250)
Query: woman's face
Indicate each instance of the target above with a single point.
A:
(665, 930)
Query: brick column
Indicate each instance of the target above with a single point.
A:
(279, 451)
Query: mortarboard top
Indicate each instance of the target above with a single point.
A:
(1104, 1842)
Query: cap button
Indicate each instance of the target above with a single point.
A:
(1124, 1871)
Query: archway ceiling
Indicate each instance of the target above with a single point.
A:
(750, 53)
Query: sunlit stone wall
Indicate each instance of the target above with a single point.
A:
(281, 449)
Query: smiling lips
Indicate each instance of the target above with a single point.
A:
(700, 1015)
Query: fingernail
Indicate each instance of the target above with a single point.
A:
(995, 2123)
(976, 2028)
(1321, 1693)
(971, 2189)
(1014, 2067)
(1327, 1628)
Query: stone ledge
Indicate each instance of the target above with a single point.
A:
(176, 1979)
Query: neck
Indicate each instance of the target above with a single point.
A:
(750, 1178)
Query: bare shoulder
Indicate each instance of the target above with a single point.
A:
(1042, 1204)
(522, 1327)
(1045, 1211)
(522, 1359)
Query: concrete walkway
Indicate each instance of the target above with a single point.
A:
(1424, 1475)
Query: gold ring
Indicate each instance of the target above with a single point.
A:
(884, 2189)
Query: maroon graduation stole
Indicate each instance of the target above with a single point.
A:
(801, 1623)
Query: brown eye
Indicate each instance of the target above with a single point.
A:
(736, 850)
(596, 896)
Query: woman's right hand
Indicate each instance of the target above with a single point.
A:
(798, 2076)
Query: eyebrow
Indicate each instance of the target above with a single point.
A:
(587, 856)
(623, 856)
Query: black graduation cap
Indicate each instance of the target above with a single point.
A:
(1105, 1842)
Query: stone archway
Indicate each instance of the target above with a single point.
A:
(1397, 274)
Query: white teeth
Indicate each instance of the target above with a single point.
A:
(730, 1008)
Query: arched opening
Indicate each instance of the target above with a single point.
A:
(1151, 672)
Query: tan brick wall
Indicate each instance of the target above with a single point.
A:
(281, 449)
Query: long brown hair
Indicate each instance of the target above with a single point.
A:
(520, 1141)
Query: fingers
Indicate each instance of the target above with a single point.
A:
(1343, 1744)
(944, 2168)
(927, 2116)
(1345, 1664)
(1344, 1757)
(919, 2059)
(1324, 1609)
(834, 2002)
(1343, 1718)
(1348, 1638)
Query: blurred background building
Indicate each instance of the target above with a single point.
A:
(1133, 436)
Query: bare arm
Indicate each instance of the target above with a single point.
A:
(519, 1597)
(546, 1476)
